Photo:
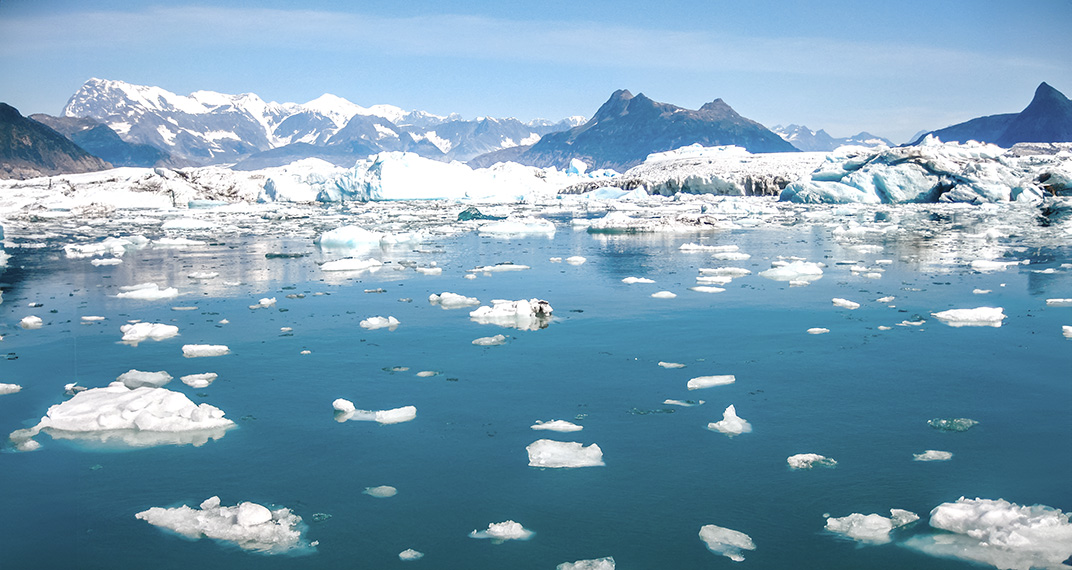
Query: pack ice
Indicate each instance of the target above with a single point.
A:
(563, 454)
(249, 526)
(525, 315)
(726, 542)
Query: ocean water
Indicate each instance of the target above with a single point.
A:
(858, 394)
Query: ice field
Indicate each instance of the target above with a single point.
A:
(684, 382)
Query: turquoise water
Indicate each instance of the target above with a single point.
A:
(858, 394)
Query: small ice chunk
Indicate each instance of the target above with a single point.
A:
(664, 295)
(506, 530)
(682, 403)
(201, 350)
(1059, 302)
(498, 268)
(409, 554)
(818, 330)
(202, 275)
(250, 526)
(606, 563)
(932, 455)
(987, 265)
(352, 264)
(533, 314)
(373, 323)
(845, 303)
(429, 270)
(888, 299)
(555, 260)
(136, 379)
(557, 425)
(343, 405)
(449, 300)
(264, 303)
(381, 492)
(106, 261)
(731, 424)
(9, 388)
(726, 542)
(801, 272)
(731, 256)
(92, 319)
(31, 322)
(427, 373)
(147, 292)
(563, 454)
(730, 272)
(490, 340)
(709, 381)
(199, 380)
(977, 317)
(576, 260)
(671, 364)
(952, 424)
(635, 280)
(1066, 330)
(809, 460)
(250, 514)
(710, 248)
(345, 411)
(138, 332)
(706, 289)
(981, 291)
(870, 529)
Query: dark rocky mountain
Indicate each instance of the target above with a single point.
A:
(627, 128)
(1048, 118)
(97, 139)
(806, 139)
(29, 149)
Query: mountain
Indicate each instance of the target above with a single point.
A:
(806, 139)
(1048, 118)
(29, 149)
(626, 129)
(100, 141)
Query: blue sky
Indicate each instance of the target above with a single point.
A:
(891, 68)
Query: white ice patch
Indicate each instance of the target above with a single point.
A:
(845, 303)
(556, 425)
(449, 300)
(708, 381)
(203, 350)
(187, 224)
(352, 264)
(106, 261)
(490, 340)
(202, 380)
(136, 379)
(870, 529)
(977, 317)
(409, 554)
(249, 526)
(932, 455)
(726, 542)
(709, 248)
(429, 270)
(147, 292)
(707, 289)
(682, 403)
(998, 533)
(381, 492)
(635, 280)
(987, 266)
(809, 460)
(202, 275)
(373, 323)
(731, 256)
(514, 226)
(818, 330)
(9, 388)
(576, 260)
(138, 332)
(1059, 302)
(506, 530)
(563, 454)
(731, 424)
(794, 272)
(498, 268)
(31, 322)
(671, 364)
(346, 411)
(532, 315)
(264, 303)
(606, 563)
(1066, 330)
(664, 295)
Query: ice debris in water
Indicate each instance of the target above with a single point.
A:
(809, 460)
(202, 275)
(731, 424)
(381, 492)
(706, 289)
(709, 381)
(978, 317)
(952, 424)
(1059, 302)
(490, 340)
(795, 272)
(429, 270)
(351, 264)
(202, 350)
(671, 364)
(576, 260)
(986, 265)
(726, 542)
(9, 388)
(932, 455)
(31, 322)
(373, 323)
(635, 280)
(410, 554)
(147, 292)
(606, 563)
(136, 379)
(136, 417)
(708, 248)
(199, 380)
(563, 454)
(498, 268)
(345, 410)
(506, 530)
(1066, 330)
(818, 330)
(557, 425)
(998, 533)
(683, 403)
(138, 332)
(249, 526)
(515, 226)
(870, 529)
(845, 303)
(524, 315)
(663, 295)
(106, 261)
(449, 300)
(264, 303)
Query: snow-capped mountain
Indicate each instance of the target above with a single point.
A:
(808, 140)
(1048, 118)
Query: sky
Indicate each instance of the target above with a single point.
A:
(889, 68)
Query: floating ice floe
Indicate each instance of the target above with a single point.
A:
(346, 411)
(671, 365)
(887, 299)
(731, 272)
(576, 260)
(356, 237)
(708, 381)
(809, 460)
(137, 379)
(9, 388)
(635, 280)
(563, 454)
(204, 350)
(249, 526)
(515, 226)
(147, 292)
(870, 529)
(708, 248)
(1066, 330)
(664, 295)
(682, 403)
(795, 272)
(556, 425)
(977, 317)
(706, 289)
(373, 323)
(987, 265)
(429, 270)
(845, 303)
(203, 275)
(998, 533)
(506, 530)
(726, 542)
(606, 563)
(202, 380)
(381, 492)
(730, 424)
(952, 424)
(731, 256)
(31, 322)
(175, 243)
(818, 330)
(352, 264)
(138, 417)
(116, 246)
(106, 261)
(1059, 302)
(138, 332)
(92, 319)
(932, 455)
(449, 300)
(409, 555)
(532, 315)
(498, 268)
(490, 340)
(264, 303)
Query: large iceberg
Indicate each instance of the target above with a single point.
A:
(562, 454)
(726, 542)
(249, 526)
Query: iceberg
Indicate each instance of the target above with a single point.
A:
(731, 424)
(136, 379)
(203, 350)
(147, 292)
(506, 530)
(346, 411)
(978, 317)
(373, 323)
(870, 529)
(9, 388)
(449, 300)
(410, 554)
(726, 542)
(998, 533)
(490, 340)
(532, 315)
(138, 332)
(708, 381)
(809, 460)
(31, 322)
(202, 380)
(606, 563)
(635, 280)
(381, 492)
(556, 425)
(932, 455)
(795, 272)
(249, 526)
(563, 454)
(845, 303)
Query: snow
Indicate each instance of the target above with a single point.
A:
(977, 317)
(448, 300)
(606, 563)
(563, 454)
(490, 340)
(730, 424)
(202, 350)
(506, 530)
(381, 492)
(374, 323)
(998, 533)
(9, 388)
(250, 526)
(138, 332)
(870, 529)
(726, 542)
(533, 314)
(556, 425)
(932, 455)
(136, 379)
(709, 381)
(809, 460)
